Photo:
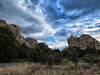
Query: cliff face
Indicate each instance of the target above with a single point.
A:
(3, 23)
(30, 42)
(83, 42)
(16, 30)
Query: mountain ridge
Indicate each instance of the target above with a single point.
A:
(30, 42)
(82, 42)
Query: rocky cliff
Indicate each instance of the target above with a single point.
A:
(16, 30)
(83, 41)
(3, 23)
(30, 42)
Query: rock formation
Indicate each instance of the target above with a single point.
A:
(30, 42)
(16, 30)
(83, 42)
(3, 23)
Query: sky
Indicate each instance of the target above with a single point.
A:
(53, 21)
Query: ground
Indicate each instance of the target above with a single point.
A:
(40, 69)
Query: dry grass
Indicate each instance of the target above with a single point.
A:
(38, 69)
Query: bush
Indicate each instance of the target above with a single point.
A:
(73, 54)
(7, 45)
(90, 58)
(65, 61)
(23, 51)
(85, 65)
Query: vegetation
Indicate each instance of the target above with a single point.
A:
(12, 51)
(7, 45)
(73, 54)
(38, 69)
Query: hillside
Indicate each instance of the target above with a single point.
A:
(31, 42)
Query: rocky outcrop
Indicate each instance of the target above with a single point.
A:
(30, 42)
(3, 23)
(16, 30)
(83, 42)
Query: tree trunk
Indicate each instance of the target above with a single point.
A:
(76, 65)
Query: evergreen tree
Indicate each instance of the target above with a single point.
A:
(7, 45)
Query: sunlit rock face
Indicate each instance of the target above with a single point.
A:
(83, 42)
(16, 30)
(31, 42)
(3, 23)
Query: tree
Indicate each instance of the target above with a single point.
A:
(7, 45)
(57, 51)
(91, 59)
(58, 58)
(90, 50)
(23, 52)
(36, 54)
(73, 54)
(91, 55)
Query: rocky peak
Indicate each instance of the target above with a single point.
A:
(30, 42)
(83, 42)
(3, 23)
(43, 43)
(16, 30)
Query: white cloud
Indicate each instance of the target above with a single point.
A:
(58, 44)
(44, 35)
(92, 29)
(96, 36)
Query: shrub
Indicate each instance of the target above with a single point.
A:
(85, 65)
(65, 61)
(90, 58)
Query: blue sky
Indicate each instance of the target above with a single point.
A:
(53, 21)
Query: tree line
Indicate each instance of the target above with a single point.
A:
(12, 51)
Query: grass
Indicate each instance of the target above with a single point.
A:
(40, 69)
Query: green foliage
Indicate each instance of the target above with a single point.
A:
(42, 53)
(73, 53)
(65, 61)
(7, 45)
(57, 51)
(89, 50)
(85, 65)
(10, 50)
(22, 51)
(50, 59)
(91, 55)
(90, 58)
(58, 58)
(36, 54)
